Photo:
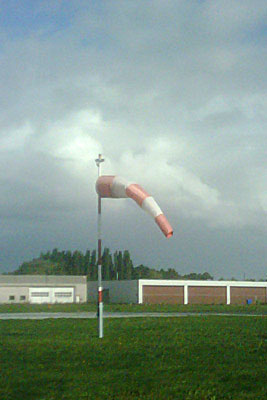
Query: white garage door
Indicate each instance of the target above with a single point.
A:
(51, 295)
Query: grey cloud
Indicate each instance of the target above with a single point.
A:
(173, 95)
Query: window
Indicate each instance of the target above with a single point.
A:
(63, 294)
(12, 297)
(39, 294)
(22, 298)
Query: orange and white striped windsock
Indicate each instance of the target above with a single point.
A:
(117, 187)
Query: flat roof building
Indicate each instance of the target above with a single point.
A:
(43, 289)
(157, 291)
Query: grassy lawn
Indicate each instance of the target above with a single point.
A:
(192, 358)
(259, 309)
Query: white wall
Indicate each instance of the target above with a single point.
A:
(51, 295)
(19, 285)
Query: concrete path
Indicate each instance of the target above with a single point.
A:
(88, 315)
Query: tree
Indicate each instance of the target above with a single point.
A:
(171, 274)
(68, 263)
(77, 263)
(115, 274)
(93, 266)
(86, 264)
(120, 266)
(154, 274)
(39, 267)
(141, 272)
(206, 276)
(127, 265)
(106, 265)
(117, 266)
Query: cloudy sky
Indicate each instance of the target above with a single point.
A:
(172, 93)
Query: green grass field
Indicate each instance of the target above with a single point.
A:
(188, 358)
(259, 309)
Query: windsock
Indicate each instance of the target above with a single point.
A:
(117, 187)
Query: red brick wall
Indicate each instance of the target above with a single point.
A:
(202, 294)
(206, 295)
(163, 294)
(239, 295)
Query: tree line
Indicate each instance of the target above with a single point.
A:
(116, 266)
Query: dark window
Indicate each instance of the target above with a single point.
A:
(63, 294)
(22, 297)
(39, 294)
(11, 297)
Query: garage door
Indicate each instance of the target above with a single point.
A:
(163, 294)
(51, 295)
(240, 295)
(206, 295)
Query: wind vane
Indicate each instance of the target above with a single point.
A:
(98, 161)
(109, 186)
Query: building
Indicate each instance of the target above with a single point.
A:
(114, 291)
(43, 289)
(154, 291)
(76, 289)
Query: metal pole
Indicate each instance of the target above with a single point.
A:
(99, 160)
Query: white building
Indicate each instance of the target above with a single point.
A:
(43, 289)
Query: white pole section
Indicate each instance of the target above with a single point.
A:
(98, 161)
(228, 294)
(185, 294)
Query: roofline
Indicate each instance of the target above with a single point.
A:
(177, 282)
(35, 275)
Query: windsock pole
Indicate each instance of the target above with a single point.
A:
(98, 161)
